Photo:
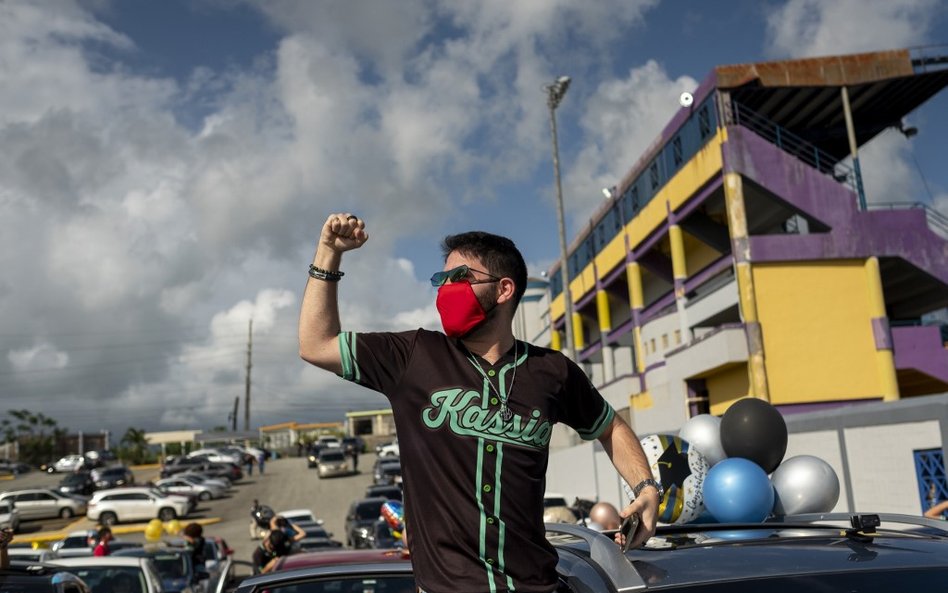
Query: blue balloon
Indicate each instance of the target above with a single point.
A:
(736, 490)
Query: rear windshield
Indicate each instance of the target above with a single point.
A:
(332, 456)
(101, 578)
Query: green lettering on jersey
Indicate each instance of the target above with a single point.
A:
(461, 412)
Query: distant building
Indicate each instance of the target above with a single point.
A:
(287, 435)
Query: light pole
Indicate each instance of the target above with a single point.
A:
(554, 94)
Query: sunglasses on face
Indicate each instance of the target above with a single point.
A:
(460, 274)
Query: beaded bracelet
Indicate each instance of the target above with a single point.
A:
(326, 275)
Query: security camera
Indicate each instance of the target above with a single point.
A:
(686, 99)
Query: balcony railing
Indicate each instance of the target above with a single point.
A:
(794, 145)
(937, 221)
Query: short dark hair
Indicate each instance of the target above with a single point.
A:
(499, 254)
(103, 531)
(193, 530)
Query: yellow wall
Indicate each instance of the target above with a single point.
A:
(698, 255)
(726, 387)
(611, 255)
(816, 322)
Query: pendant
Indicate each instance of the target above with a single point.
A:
(505, 413)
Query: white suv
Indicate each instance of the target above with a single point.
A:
(390, 449)
(135, 504)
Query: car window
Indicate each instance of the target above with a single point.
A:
(332, 456)
(369, 510)
(171, 566)
(355, 584)
(110, 578)
(45, 496)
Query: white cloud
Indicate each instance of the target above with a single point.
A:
(623, 118)
(803, 28)
(38, 358)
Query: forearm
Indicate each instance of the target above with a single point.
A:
(626, 452)
(319, 324)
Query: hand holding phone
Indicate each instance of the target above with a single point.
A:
(628, 529)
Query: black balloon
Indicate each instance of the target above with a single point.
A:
(753, 429)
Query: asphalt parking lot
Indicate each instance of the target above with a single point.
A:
(287, 484)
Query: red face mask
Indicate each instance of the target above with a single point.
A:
(460, 311)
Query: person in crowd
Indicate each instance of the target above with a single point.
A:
(605, 515)
(194, 535)
(938, 510)
(248, 461)
(474, 408)
(354, 452)
(102, 542)
(293, 532)
(261, 461)
(269, 551)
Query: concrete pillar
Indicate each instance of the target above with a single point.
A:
(634, 276)
(740, 242)
(680, 274)
(579, 339)
(605, 326)
(880, 330)
(556, 340)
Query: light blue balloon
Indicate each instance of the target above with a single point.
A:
(736, 490)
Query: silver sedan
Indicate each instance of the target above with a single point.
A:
(175, 485)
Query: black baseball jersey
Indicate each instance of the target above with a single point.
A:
(473, 465)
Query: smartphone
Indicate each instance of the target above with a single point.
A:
(628, 529)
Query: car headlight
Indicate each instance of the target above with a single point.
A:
(312, 458)
(363, 531)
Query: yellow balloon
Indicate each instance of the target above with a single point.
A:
(173, 527)
(153, 532)
(155, 522)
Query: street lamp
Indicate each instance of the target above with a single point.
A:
(554, 94)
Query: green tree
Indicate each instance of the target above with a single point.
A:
(37, 435)
(135, 446)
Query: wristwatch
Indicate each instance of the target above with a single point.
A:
(649, 482)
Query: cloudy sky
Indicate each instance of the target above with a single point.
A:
(167, 167)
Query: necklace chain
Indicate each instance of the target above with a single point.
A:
(505, 412)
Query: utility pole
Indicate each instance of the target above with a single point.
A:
(233, 417)
(247, 387)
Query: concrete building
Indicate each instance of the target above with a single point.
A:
(739, 256)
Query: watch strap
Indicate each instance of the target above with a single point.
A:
(649, 482)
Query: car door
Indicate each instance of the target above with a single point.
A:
(46, 505)
(28, 505)
(140, 506)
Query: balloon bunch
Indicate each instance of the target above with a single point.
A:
(394, 514)
(732, 469)
(749, 478)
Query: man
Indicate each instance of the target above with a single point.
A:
(605, 516)
(194, 535)
(102, 546)
(474, 410)
(269, 551)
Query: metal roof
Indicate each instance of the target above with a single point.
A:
(804, 96)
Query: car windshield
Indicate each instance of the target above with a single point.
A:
(369, 510)
(354, 584)
(332, 456)
(171, 566)
(111, 579)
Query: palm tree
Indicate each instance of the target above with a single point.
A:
(136, 444)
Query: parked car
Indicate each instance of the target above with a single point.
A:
(317, 538)
(112, 477)
(9, 517)
(39, 503)
(299, 515)
(77, 483)
(13, 467)
(360, 521)
(177, 572)
(199, 478)
(177, 465)
(102, 572)
(362, 571)
(76, 543)
(135, 504)
(178, 485)
(388, 449)
(67, 463)
(28, 553)
(388, 474)
(99, 458)
(333, 462)
(389, 491)
(350, 444)
(28, 577)
(829, 553)
(217, 456)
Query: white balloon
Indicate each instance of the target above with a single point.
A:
(704, 433)
(804, 484)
